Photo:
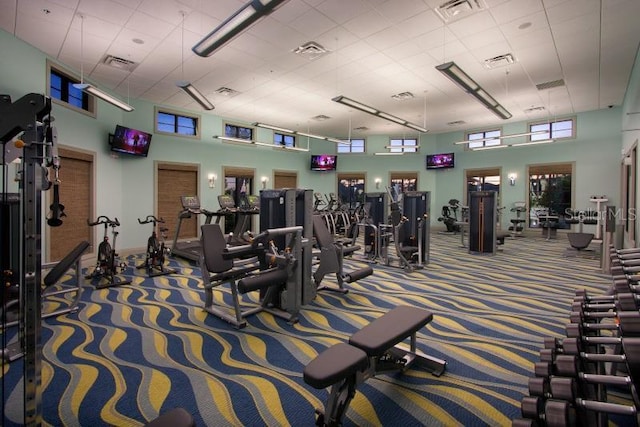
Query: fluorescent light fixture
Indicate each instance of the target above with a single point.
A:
(261, 144)
(462, 79)
(542, 141)
(490, 147)
(403, 147)
(276, 128)
(242, 19)
(86, 87)
(295, 132)
(391, 118)
(310, 135)
(491, 138)
(232, 139)
(355, 104)
(375, 112)
(195, 94)
(278, 147)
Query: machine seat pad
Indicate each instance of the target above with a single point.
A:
(390, 329)
(334, 364)
(177, 417)
(232, 274)
(348, 250)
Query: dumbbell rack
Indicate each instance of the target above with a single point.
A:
(601, 351)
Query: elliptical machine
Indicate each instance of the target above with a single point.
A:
(156, 250)
(450, 216)
(106, 266)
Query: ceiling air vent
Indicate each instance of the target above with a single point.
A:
(225, 91)
(120, 63)
(403, 96)
(457, 9)
(499, 61)
(320, 118)
(311, 50)
(550, 85)
(457, 123)
(534, 110)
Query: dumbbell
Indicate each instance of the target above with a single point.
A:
(627, 324)
(589, 411)
(569, 364)
(535, 409)
(532, 408)
(585, 313)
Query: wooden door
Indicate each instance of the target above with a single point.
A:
(76, 195)
(173, 182)
(285, 179)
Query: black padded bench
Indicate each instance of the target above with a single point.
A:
(176, 417)
(373, 349)
(73, 260)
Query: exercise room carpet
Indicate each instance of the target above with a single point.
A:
(135, 351)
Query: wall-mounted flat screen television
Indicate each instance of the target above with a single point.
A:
(440, 161)
(130, 141)
(324, 162)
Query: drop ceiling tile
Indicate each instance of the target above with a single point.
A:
(341, 11)
(367, 24)
(106, 10)
(312, 24)
(400, 10)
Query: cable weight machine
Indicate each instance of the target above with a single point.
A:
(29, 118)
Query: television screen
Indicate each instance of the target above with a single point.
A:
(324, 162)
(130, 141)
(440, 161)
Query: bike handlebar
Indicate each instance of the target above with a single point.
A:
(151, 218)
(104, 220)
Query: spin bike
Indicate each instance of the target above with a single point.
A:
(106, 266)
(156, 250)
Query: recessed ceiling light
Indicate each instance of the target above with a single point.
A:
(137, 41)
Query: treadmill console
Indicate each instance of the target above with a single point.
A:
(190, 202)
(226, 202)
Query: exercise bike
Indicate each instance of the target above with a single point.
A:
(156, 250)
(106, 265)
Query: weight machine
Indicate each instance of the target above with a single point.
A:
(281, 208)
(482, 222)
(28, 118)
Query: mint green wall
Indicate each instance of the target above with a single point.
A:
(126, 185)
(595, 152)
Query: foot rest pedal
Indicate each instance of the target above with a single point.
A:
(334, 364)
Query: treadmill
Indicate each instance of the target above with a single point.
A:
(250, 206)
(189, 249)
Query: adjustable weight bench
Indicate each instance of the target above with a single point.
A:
(372, 350)
(73, 260)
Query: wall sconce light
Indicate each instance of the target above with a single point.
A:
(512, 178)
(378, 181)
(212, 180)
(264, 181)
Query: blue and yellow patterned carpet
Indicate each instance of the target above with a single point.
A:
(135, 351)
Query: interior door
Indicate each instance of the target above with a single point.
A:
(285, 179)
(173, 182)
(76, 195)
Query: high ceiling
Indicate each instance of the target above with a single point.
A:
(375, 49)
